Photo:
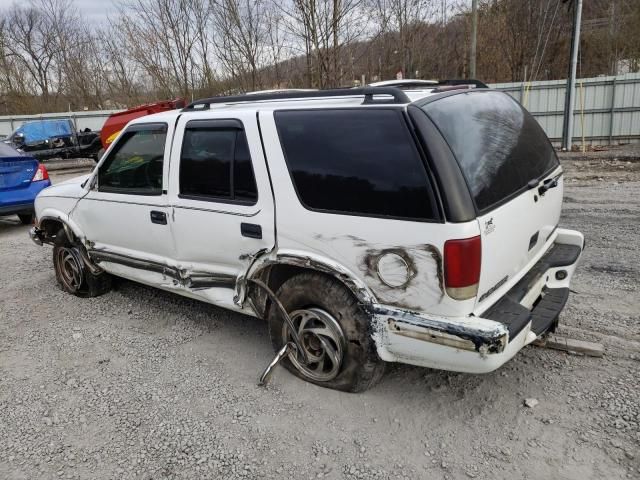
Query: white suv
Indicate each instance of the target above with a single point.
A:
(365, 225)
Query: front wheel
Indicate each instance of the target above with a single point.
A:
(334, 331)
(72, 273)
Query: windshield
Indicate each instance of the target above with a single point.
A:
(8, 151)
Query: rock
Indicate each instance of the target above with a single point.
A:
(530, 402)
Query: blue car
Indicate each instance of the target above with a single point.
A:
(21, 178)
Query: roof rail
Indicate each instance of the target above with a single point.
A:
(368, 92)
(463, 81)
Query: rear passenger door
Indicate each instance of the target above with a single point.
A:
(222, 204)
(357, 191)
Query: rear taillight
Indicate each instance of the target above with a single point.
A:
(41, 174)
(462, 260)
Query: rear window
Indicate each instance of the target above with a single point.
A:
(361, 162)
(500, 147)
(8, 151)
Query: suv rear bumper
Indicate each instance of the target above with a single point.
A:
(480, 344)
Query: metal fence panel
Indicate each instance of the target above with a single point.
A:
(606, 110)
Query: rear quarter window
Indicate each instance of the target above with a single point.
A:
(357, 161)
(499, 146)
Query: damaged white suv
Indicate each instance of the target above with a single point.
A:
(365, 225)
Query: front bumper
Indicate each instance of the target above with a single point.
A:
(480, 344)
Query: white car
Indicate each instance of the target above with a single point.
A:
(365, 225)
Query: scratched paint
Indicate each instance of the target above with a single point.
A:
(422, 285)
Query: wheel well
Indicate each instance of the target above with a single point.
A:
(51, 226)
(275, 275)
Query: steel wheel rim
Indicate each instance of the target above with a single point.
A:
(69, 268)
(323, 342)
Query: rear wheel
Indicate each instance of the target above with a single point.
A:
(26, 218)
(72, 273)
(334, 331)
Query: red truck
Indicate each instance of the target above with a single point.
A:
(117, 121)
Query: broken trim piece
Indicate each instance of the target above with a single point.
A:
(283, 313)
(484, 338)
(192, 280)
(285, 351)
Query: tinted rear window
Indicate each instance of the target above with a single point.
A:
(355, 161)
(500, 147)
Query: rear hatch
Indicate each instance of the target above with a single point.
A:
(16, 171)
(514, 178)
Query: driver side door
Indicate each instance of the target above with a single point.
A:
(124, 216)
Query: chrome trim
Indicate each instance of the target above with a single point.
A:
(239, 214)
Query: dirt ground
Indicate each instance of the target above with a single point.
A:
(141, 383)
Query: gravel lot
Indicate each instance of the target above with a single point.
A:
(141, 383)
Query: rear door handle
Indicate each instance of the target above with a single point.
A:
(251, 230)
(158, 217)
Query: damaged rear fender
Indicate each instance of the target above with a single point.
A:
(259, 267)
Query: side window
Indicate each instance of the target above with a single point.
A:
(215, 164)
(360, 161)
(134, 166)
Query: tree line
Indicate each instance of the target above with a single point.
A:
(53, 59)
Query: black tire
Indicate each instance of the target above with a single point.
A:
(72, 273)
(26, 218)
(361, 367)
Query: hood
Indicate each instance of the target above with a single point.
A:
(75, 180)
(69, 188)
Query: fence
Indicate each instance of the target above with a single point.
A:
(85, 119)
(607, 109)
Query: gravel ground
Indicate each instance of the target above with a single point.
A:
(140, 383)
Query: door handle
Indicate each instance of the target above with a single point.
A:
(158, 217)
(251, 230)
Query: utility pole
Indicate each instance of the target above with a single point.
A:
(569, 99)
(474, 38)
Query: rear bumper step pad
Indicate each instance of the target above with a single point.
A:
(511, 313)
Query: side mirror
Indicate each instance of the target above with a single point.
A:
(18, 139)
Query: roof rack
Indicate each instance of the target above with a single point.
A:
(463, 81)
(398, 96)
(405, 83)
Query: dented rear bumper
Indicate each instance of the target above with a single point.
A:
(482, 343)
(468, 344)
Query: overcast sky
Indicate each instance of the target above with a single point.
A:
(95, 11)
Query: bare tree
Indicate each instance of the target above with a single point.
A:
(52, 59)
(240, 39)
(161, 37)
(325, 28)
(403, 18)
(31, 42)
